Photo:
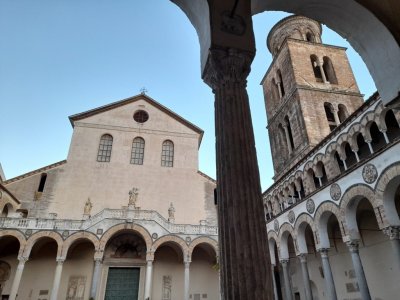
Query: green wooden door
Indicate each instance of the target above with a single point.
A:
(122, 284)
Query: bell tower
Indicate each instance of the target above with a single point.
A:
(309, 90)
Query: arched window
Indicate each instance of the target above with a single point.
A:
(167, 155)
(363, 148)
(378, 140)
(313, 180)
(274, 90)
(137, 153)
(310, 37)
(105, 147)
(343, 114)
(322, 172)
(283, 141)
(316, 68)
(280, 84)
(289, 128)
(329, 70)
(330, 116)
(350, 155)
(42, 183)
(393, 128)
(339, 162)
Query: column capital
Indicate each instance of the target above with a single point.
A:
(98, 260)
(353, 246)
(150, 255)
(284, 261)
(187, 263)
(303, 257)
(23, 259)
(227, 66)
(393, 232)
(60, 260)
(323, 252)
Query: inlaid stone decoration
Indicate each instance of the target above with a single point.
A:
(291, 216)
(310, 206)
(154, 236)
(188, 239)
(76, 288)
(65, 234)
(336, 192)
(369, 173)
(276, 225)
(28, 232)
(167, 287)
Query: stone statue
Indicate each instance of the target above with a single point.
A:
(171, 212)
(133, 196)
(88, 207)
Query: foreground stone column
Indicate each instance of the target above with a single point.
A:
(186, 283)
(274, 283)
(148, 282)
(286, 279)
(306, 276)
(359, 270)
(96, 277)
(57, 279)
(394, 235)
(326, 266)
(244, 254)
(17, 277)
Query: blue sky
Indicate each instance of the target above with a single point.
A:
(61, 57)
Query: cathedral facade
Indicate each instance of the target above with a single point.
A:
(333, 211)
(127, 215)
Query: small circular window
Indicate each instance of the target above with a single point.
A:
(140, 116)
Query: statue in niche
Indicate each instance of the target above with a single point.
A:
(171, 213)
(167, 286)
(76, 288)
(88, 207)
(133, 197)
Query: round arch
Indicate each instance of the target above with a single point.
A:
(16, 234)
(203, 240)
(79, 236)
(284, 232)
(272, 241)
(323, 212)
(40, 235)
(348, 207)
(385, 189)
(110, 233)
(174, 240)
(299, 229)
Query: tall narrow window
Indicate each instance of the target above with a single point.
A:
(329, 71)
(167, 155)
(329, 115)
(280, 83)
(289, 132)
(137, 153)
(42, 182)
(343, 114)
(316, 68)
(105, 147)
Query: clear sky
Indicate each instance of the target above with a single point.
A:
(61, 57)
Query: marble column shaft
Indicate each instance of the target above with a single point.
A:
(326, 266)
(95, 278)
(186, 283)
(57, 279)
(286, 279)
(244, 254)
(306, 276)
(359, 270)
(274, 283)
(149, 277)
(17, 278)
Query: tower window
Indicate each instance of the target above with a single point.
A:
(316, 68)
(310, 37)
(289, 132)
(330, 116)
(137, 153)
(329, 71)
(343, 114)
(105, 147)
(167, 155)
(42, 182)
(280, 84)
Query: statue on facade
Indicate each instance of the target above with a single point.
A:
(88, 207)
(171, 213)
(133, 197)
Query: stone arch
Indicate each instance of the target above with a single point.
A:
(348, 207)
(18, 235)
(385, 189)
(203, 240)
(299, 229)
(272, 240)
(354, 130)
(125, 227)
(84, 235)
(175, 240)
(323, 212)
(40, 235)
(284, 232)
